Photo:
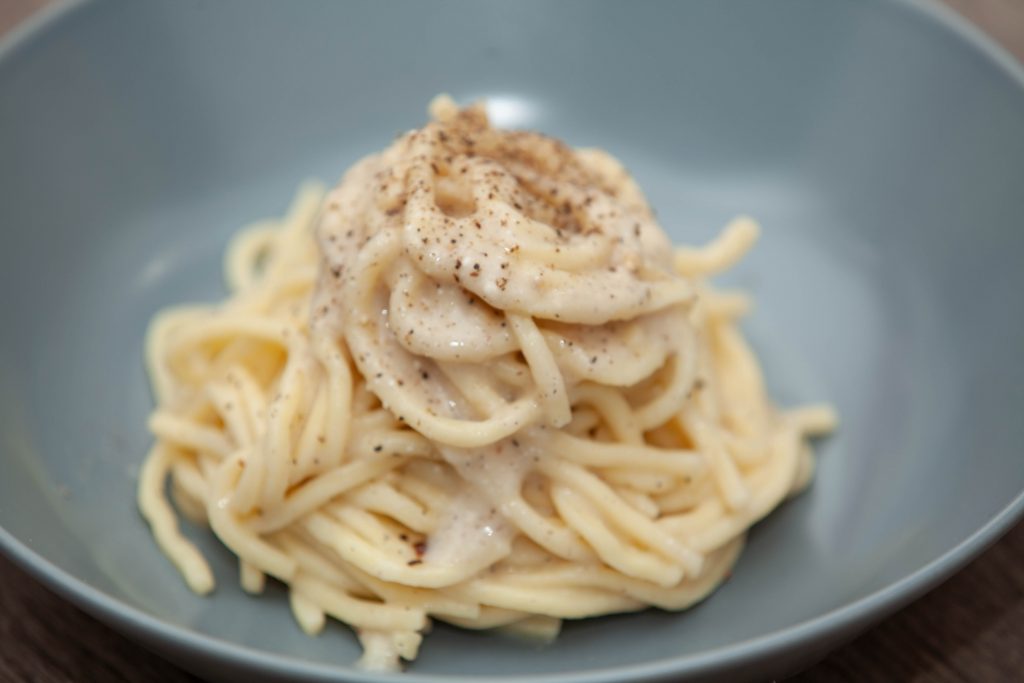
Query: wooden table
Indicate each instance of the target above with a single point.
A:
(969, 629)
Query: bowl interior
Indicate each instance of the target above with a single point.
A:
(882, 153)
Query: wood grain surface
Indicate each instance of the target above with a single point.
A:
(969, 629)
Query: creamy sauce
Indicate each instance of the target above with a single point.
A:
(472, 531)
(474, 526)
(428, 246)
(437, 320)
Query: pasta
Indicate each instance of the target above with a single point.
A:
(474, 383)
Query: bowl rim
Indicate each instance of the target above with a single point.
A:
(140, 625)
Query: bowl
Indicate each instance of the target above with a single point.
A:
(881, 145)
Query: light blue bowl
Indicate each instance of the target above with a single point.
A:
(880, 143)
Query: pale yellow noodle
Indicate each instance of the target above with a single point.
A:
(474, 383)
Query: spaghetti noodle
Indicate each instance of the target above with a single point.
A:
(473, 383)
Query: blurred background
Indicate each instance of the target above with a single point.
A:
(1002, 19)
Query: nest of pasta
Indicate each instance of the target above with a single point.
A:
(474, 382)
